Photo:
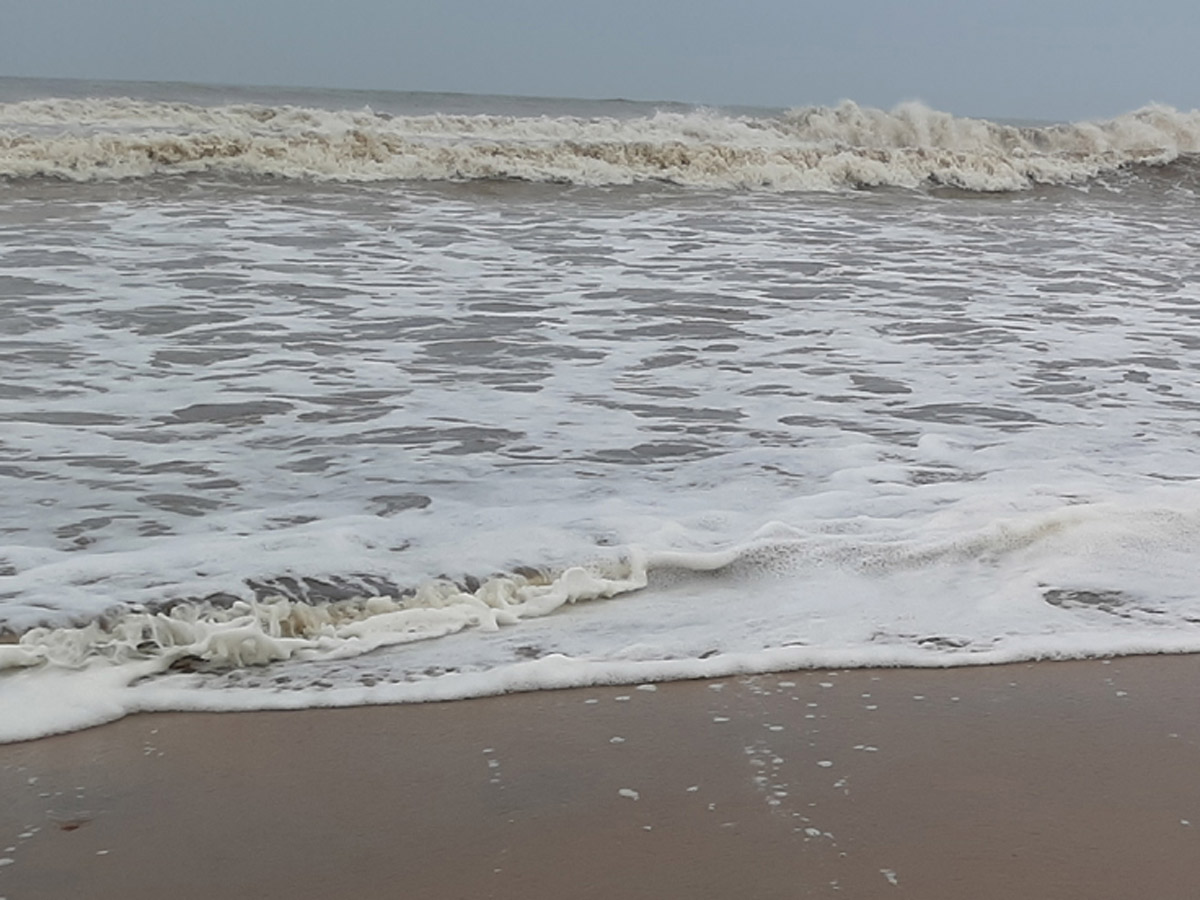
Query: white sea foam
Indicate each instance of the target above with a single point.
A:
(261, 632)
(275, 444)
(1065, 584)
(804, 150)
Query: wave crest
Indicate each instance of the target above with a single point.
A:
(819, 148)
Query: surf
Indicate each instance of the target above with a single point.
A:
(800, 150)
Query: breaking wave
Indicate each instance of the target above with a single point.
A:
(292, 620)
(812, 149)
(1071, 583)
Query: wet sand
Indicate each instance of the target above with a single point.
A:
(1050, 780)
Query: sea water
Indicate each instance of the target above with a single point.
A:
(323, 398)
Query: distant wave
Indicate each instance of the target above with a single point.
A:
(812, 149)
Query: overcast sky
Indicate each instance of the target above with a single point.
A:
(1051, 59)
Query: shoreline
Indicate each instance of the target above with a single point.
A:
(1049, 779)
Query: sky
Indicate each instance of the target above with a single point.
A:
(1026, 59)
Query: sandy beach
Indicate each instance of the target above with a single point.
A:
(1049, 780)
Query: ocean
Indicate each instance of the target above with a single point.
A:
(323, 398)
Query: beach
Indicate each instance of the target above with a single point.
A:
(436, 496)
(1055, 780)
